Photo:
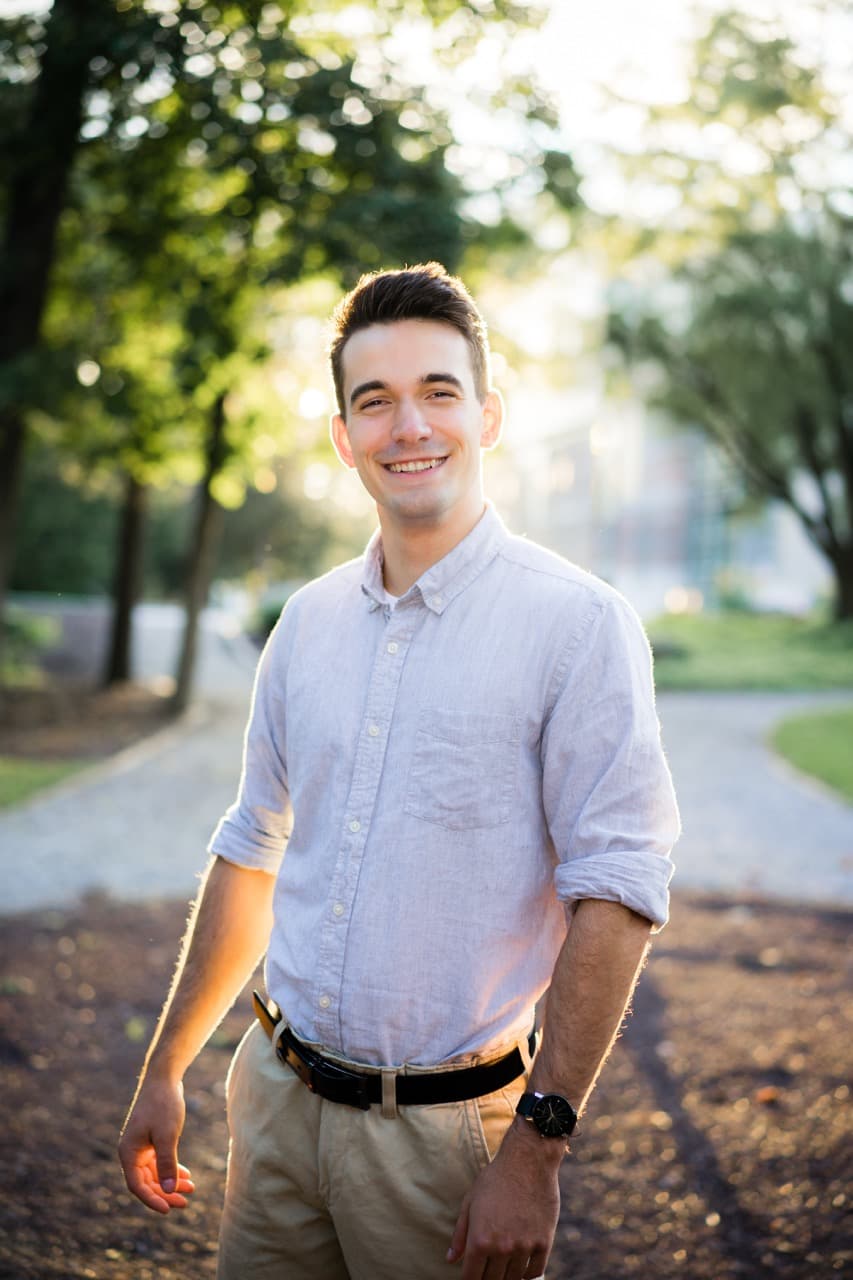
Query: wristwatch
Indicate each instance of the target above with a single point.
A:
(551, 1113)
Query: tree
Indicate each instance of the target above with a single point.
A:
(221, 151)
(763, 366)
(275, 199)
(44, 84)
(750, 326)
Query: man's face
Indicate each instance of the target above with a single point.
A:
(414, 428)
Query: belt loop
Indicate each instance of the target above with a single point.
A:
(277, 1032)
(524, 1049)
(389, 1094)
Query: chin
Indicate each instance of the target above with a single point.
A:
(426, 506)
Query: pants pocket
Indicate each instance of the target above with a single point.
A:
(232, 1079)
(489, 1118)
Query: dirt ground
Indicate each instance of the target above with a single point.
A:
(717, 1144)
(70, 720)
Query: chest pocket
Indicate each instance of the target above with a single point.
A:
(463, 769)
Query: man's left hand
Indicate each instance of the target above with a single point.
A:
(506, 1228)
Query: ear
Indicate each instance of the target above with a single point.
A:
(493, 417)
(340, 439)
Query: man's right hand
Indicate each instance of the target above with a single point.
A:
(148, 1149)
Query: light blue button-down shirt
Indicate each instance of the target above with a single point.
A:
(451, 772)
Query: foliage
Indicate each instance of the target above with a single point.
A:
(283, 535)
(748, 333)
(238, 162)
(225, 153)
(762, 365)
(268, 610)
(25, 638)
(757, 137)
(751, 651)
(819, 744)
(67, 527)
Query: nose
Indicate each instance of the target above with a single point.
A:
(409, 422)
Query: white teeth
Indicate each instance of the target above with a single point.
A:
(426, 465)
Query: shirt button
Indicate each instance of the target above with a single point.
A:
(393, 646)
(355, 825)
(373, 730)
(338, 908)
(435, 601)
(325, 1001)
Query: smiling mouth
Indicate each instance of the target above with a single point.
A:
(423, 464)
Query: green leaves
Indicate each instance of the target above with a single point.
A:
(751, 329)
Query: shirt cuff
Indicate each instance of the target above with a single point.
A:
(253, 851)
(638, 881)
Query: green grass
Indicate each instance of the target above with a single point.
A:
(19, 779)
(820, 744)
(751, 651)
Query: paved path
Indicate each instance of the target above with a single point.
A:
(750, 822)
(138, 827)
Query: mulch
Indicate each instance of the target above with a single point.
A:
(718, 1143)
(73, 719)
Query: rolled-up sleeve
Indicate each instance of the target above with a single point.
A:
(254, 830)
(607, 791)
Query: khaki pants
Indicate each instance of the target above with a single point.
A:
(321, 1191)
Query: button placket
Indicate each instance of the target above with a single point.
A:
(383, 688)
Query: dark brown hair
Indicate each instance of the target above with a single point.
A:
(423, 292)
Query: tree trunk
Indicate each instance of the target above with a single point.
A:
(208, 525)
(11, 469)
(126, 582)
(842, 565)
(36, 196)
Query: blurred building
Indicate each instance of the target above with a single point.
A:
(659, 514)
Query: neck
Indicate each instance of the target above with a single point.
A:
(408, 552)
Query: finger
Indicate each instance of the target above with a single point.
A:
(167, 1164)
(474, 1265)
(460, 1235)
(518, 1267)
(175, 1199)
(185, 1187)
(536, 1266)
(142, 1187)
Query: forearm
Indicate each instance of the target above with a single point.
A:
(510, 1215)
(590, 990)
(227, 934)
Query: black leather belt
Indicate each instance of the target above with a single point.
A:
(360, 1088)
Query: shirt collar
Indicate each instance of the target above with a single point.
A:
(446, 579)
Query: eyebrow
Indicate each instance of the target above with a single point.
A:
(428, 378)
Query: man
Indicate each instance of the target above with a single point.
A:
(455, 736)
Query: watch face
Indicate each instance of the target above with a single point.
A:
(553, 1116)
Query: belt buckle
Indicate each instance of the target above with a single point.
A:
(315, 1071)
(330, 1073)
